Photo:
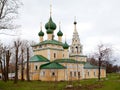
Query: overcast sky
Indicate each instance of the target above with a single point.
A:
(98, 21)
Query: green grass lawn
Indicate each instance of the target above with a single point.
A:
(111, 83)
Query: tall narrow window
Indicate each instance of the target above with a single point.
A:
(88, 73)
(36, 67)
(78, 74)
(43, 73)
(54, 55)
(74, 74)
(94, 74)
(77, 49)
(70, 74)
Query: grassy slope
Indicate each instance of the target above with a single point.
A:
(113, 83)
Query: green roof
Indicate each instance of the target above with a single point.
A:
(90, 66)
(67, 60)
(54, 42)
(78, 56)
(52, 65)
(38, 58)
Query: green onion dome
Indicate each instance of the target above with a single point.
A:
(49, 31)
(65, 45)
(60, 33)
(50, 25)
(41, 33)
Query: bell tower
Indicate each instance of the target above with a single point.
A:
(76, 47)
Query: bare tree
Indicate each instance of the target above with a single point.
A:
(4, 60)
(24, 55)
(8, 54)
(17, 45)
(26, 52)
(103, 55)
(8, 12)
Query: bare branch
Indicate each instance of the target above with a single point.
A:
(8, 12)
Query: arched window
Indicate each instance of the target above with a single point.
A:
(36, 67)
(77, 49)
(53, 74)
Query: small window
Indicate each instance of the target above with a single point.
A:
(40, 46)
(53, 73)
(63, 55)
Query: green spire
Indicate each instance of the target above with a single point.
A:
(65, 45)
(41, 33)
(60, 32)
(50, 25)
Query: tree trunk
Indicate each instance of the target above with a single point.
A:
(2, 70)
(28, 78)
(99, 73)
(16, 66)
(22, 68)
(7, 64)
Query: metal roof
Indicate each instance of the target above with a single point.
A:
(90, 66)
(38, 58)
(68, 60)
(52, 65)
(54, 42)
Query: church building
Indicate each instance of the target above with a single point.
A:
(55, 60)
